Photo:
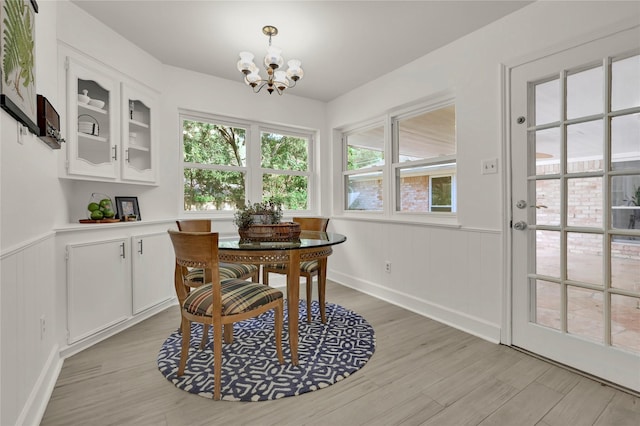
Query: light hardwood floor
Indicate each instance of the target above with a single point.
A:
(422, 373)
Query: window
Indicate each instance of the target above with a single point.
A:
(285, 164)
(422, 145)
(365, 161)
(226, 162)
(425, 163)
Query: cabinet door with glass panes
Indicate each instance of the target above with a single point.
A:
(139, 112)
(93, 122)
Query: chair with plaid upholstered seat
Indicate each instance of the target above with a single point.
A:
(227, 270)
(308, 269)
(218, 303)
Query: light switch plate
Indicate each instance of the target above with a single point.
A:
(489, 166)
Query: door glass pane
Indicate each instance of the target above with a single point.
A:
(548, 304)
(584, 202)
(364, 191)
(584, 257)
(584, 147)
(548, 253)
(548, 202)
(625, 262)
(625, 142)
(585, 313)
(625, 83)
(547, 102)
(625, 201)
(547, 149)
(585, 93)
(625, 322)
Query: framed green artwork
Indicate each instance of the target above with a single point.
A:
(17, 60)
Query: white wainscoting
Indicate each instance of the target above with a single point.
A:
(29, 364)
(452, 275)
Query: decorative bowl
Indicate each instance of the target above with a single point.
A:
(83, 97)
(96, 103)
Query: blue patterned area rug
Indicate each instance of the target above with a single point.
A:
(327, 353)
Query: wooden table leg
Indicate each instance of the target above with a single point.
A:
(322, 285)
(293, 296)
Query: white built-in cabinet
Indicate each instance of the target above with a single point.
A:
(114, 141)
(153, 269)
(114, 278)
(98, 286)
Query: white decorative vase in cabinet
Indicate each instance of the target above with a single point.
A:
(93, 122)
(138, 112)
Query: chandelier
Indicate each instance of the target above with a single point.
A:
(277, 80)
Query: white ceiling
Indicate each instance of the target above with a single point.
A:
(342, 44)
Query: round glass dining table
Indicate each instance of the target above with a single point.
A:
(313, 245)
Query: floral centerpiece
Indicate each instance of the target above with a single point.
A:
(261, 222)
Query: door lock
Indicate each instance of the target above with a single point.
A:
(521, 204)
(520, 226)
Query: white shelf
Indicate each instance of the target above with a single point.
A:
(625, 207)
(139, 148)
(92, 137)
(139, 124)
(92, 108)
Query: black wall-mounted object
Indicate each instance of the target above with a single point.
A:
(48, 123)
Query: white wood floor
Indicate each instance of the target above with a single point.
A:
(422, 373)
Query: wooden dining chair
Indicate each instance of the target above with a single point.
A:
(217, 303)
(195, 278)
(227, 270)
(308, 269)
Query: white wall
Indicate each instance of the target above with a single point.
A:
(456, 275)
(31, 205)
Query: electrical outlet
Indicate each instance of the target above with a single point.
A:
(43, 327)
(387, 267)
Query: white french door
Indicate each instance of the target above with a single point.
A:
(575, 201)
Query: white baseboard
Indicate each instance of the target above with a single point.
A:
(456, 319)
(38, 400)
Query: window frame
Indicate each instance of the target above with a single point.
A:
(382, 169)
(392, 166)
(252, 169)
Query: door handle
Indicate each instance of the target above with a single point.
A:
(140, 246)
(520, 226)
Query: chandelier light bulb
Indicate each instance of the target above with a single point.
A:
(245, 64)
(280, 78)
(273, 59)
(252, 79)
(295, 72)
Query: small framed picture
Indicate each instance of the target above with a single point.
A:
(128, 209)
